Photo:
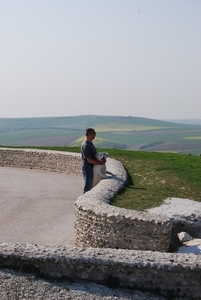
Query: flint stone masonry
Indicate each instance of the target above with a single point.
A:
(99, 225)
(58, 161)
(170, 275)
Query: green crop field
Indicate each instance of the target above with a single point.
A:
(126, 133)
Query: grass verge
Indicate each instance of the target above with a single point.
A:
(153, 177)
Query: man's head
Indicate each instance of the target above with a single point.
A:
(90, 131)
(90, 134)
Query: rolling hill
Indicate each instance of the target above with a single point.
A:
(133, 133)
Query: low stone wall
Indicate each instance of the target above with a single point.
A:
(58, 161)
(99, 224)
(167, 274)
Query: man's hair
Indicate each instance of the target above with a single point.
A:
(89, 131)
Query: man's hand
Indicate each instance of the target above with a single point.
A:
(102, 162)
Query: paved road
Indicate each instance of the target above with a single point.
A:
(37, 206)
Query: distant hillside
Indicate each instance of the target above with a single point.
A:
(186, 121)
(118, 132)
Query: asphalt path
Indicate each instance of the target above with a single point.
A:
(37, 206)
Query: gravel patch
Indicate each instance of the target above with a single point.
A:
(177, 207)
(19, 286)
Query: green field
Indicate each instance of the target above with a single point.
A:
(126, 133)
(154, 177)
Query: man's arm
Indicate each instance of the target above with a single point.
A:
(95, 161)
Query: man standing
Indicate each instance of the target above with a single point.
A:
(89, 158)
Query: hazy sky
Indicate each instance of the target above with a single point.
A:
(105, 57)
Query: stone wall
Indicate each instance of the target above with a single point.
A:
(167, 274)
(58, 161)
(99, 224)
